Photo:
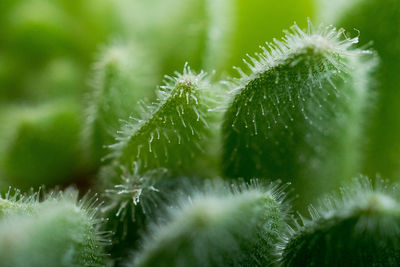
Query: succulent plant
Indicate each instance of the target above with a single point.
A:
(210, 165)
(359, 226)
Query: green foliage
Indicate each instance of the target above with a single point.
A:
(60, 231)
(222, 225)
(34, 33)
(297, 116)
(303, 113)
(45, 140)
(16, 203)
(383, 150)
(131, 202)
(359, 227)
(170, 132)
(120, 81)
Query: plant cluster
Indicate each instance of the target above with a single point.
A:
(209, 169)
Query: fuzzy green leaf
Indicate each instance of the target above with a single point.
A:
(220, 226)
(17, 203)
(60, 231)
(359, 227)
(135, 201)
(171, 132)
(297, 116)
(130, 203)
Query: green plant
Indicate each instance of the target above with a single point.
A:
(35, 34)
(383, 150)
(131, 202)
(208, 169)
(117, 74)
(359, 226)
(59, 223)
(222, 225)
(171, 132)
(45, 139)
(295, 116)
